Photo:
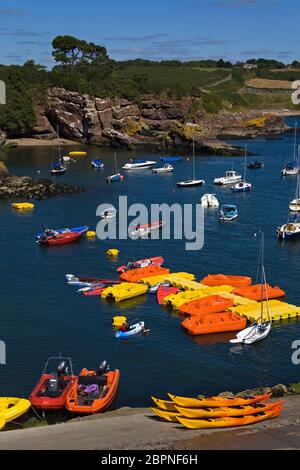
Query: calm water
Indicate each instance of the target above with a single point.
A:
(41, 316)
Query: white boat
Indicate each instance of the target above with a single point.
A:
(193, 181)
(291, 229)
(145, 230)
(243, 186)
(292, 167)
(139, 165)
(259, 330)
(109, 213)
(66, 158)
(294, 205)
(167, 168)
(231, 177)
(117, 176)
(209, 200)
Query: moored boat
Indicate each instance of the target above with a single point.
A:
(146, 229)
(228, 213)
(82, 229)
(255, 165)
(291, 229)
(231, 177)
(167, 168)
(98, 164)
(51, 237)
(292, 167)
(192, 182)
(117, 176)
(143, 263)
(243, 186)
(210, 200)
(58, 169)
(139, 164)
(109, 213)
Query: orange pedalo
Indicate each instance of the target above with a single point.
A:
(214, 323)
(135, 275)
(260, 292)
(222, 280)
(211, 304)
(93, 392)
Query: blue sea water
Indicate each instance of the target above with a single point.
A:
(42, 316)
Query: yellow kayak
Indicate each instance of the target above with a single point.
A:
(77, 154)
(167, 415)
(165, 405)
(211, 402)
(23, 206)
(223, 412)
(13, 408)
(2, 423)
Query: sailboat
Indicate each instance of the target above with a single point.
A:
(292, 167)
(193, 181)
(295, 203)
(259, 330)
(58, 168)
(117, 176)
(243, 186)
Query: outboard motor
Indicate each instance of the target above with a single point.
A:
(62, 369)
(52, 388)
(103, 368)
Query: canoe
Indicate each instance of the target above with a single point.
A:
(124, 291)
(165, 405)
(166, 415)
(83, 229)
(23, 206)
(13, 408)
(143, 263)
(228, 421)
(135, 275)
(206, 305)
(133, 330)
(92, 393)
(214, 323)
(164, 291)
(260, 292)
(223, 412)
(61, 239)
(223, 279)
(212, 402)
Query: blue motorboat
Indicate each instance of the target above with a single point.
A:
(58, 169)
(97, 164)
(83, 229)
(131, 331)
(228, 213)
(171, 159)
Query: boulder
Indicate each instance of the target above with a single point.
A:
(294, 388)
(280, 390)
(2, 138)
(226, 395)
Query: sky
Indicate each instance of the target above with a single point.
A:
(153, 29)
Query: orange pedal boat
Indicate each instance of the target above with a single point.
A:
(214, 323)
(206, 305)
(93, 392)
(258, 292)
(223, 279)
(135, 275)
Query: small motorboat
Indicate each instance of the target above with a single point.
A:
(143, 263)
(256, 165)
(210, 200)
(231, 177)
(131, 331)
(114, 178)
(51, 237)
(290, 229)
(93, 392)
(167, 168)
(109, 213)
(98, 164)
(228, 213)
(139, 164)
(171, 159)
(241, 187)
(89, 281)
(58, 169)
(83, 229)
(190, 183)
(290, 169)
(57, 379)
(146, 229)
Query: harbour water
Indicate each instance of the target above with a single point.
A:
(41, 316)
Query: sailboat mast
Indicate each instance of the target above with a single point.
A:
(245, 163)
(295, 141)
(194, 173)
(264, 280)
(59, 146)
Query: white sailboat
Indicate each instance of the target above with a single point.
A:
(259, 330)
(193, 181)
(295, 203)
(117, 176)
(243, 186)
(210, 200)
(292, 167)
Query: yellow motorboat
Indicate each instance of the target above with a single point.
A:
(13, 408)
(23, 206)
(77, 154)
(124, 291)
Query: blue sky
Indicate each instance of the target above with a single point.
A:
(153, 29)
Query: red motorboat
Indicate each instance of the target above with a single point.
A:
(164, 291)
(143, 263)
(146, 229)
(60, 238)
(55, 383)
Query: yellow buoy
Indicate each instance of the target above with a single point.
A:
(118, 321)
(91, 234)
(23, 206)
(113, 252)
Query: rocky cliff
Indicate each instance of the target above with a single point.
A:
(152, 124)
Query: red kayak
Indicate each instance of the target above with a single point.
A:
(164, 291)
(96, 280)
(61, 238)
(95, 291)
(143, 263)
(51, 391)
